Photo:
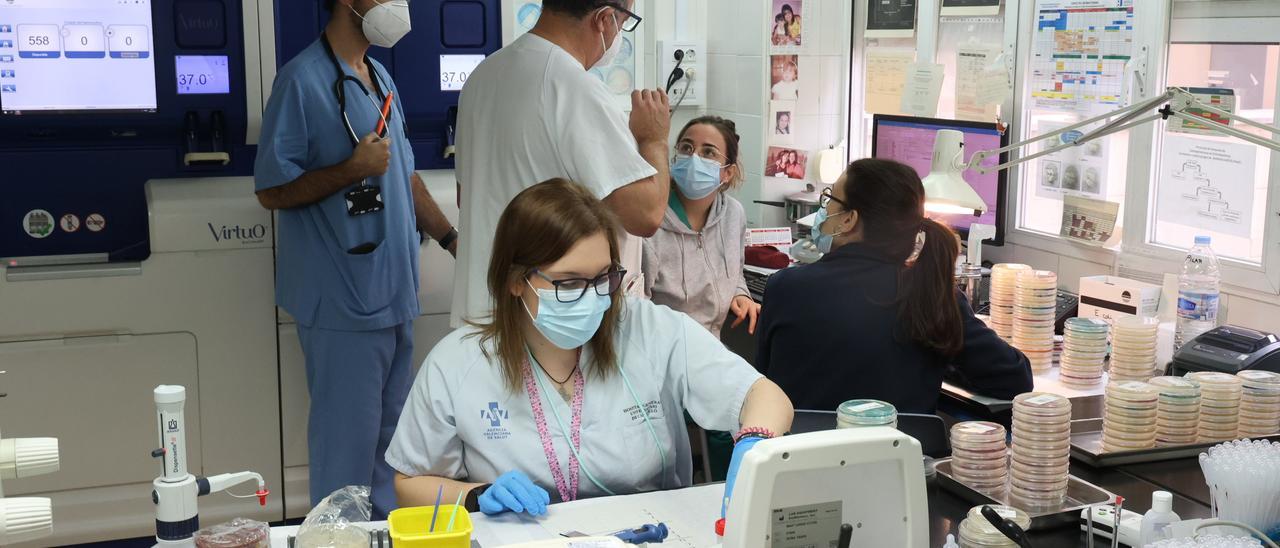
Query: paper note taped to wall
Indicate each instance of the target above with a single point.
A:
(979, 86)
(922, 89)
(886, 72)
(1219, 98)
(1087, 220)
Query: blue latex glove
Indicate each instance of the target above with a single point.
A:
(732, 476)
(514, 492)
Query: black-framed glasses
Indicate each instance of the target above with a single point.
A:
(571, 290)
(827, 197)
(707, 152)
(631, 23)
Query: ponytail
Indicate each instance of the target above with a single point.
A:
(928, 308)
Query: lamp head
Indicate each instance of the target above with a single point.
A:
(945, 189)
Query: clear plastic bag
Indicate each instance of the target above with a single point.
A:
(334, 522)
(237, 533)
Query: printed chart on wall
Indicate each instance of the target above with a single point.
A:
(787, 24)
(1206, 184)
(622, 76)
(885, 79)
(1079, 52)
(980, 83)
(1076, 171)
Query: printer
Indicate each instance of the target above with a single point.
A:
(1229, 349)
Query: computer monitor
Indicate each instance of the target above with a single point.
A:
(60, 56)
(909, 140)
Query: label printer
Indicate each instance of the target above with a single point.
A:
(1229, 349)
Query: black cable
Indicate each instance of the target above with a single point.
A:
(676, 73)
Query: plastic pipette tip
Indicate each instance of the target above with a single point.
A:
(262, 496)
(720, 527)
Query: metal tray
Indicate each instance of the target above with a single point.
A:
(1086, 447)
(1080, 495)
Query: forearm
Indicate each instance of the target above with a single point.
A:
(655, 153)
(313, 186)
(767, 406)
(422, 490)
(431, 221)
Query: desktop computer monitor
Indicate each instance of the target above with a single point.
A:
(909, 140)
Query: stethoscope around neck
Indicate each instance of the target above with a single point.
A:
(340, 90)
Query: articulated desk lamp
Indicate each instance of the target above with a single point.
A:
(947, 192)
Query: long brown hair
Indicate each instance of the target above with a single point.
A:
(536, 229)
(889, 199)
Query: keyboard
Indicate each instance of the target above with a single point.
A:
(756, 283)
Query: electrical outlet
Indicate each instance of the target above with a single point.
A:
(690, 90)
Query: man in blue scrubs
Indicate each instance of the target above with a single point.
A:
(351, 212)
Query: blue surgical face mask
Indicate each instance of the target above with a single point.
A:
(820, 238)
(568, 325)
(695, 176)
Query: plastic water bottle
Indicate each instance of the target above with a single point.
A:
(1198, 290)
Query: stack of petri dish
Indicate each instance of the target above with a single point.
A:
(1084, 350)
(1041, 449)
(979, 456)
(1133, 349)
(1129, 421)
(1035, 307)
(1004, 278)
(977, 532)
(1219, 405)
(1178, 419)
(1259, 404)
(862, 413)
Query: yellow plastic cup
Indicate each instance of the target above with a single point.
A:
(409, 528)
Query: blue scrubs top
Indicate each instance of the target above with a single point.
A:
(317, 280)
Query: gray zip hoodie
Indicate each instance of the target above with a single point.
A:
(698, 273)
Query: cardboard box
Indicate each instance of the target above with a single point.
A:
(1111, 297)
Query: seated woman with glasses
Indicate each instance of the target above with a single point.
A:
(694, 262)
(569, 390)
(879, 315)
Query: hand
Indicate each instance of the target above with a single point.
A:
(514, 492)
(743, 307)
(650, 116)
(371, 157)
(739, 450)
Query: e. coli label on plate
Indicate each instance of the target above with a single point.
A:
(866, 407)
(808, 526)
(1042, 399)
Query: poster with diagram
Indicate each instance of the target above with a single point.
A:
(1079, 51)
(1073, 171)
(624, 75)
(1206, 184)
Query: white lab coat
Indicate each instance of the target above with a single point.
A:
(462, 422)
(529, 113)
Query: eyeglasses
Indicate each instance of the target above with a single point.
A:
(827, 197)
(631, 22)
(707, 152)
(573, 289)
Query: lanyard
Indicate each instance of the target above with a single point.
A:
(339, 89)
(568, 489)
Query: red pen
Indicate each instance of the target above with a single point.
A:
(386, 109)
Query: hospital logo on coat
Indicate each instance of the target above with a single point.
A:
(495, 415)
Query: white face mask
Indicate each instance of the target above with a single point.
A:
(386, 23)
(610, 51)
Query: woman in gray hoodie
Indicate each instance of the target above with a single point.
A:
(694, 263)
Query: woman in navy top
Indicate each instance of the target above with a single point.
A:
(879, 315)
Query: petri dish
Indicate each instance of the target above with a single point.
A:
(854, 413)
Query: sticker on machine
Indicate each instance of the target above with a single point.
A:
(807, 526)
(95, 222)
(38, 223)
(69, 223)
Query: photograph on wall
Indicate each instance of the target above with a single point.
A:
(786, 26)
(891, 18)
(970, 8)
(781, 120)
(1076, 171)
(786, 163)
(784, 77)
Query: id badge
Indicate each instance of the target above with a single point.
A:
(364, 199)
